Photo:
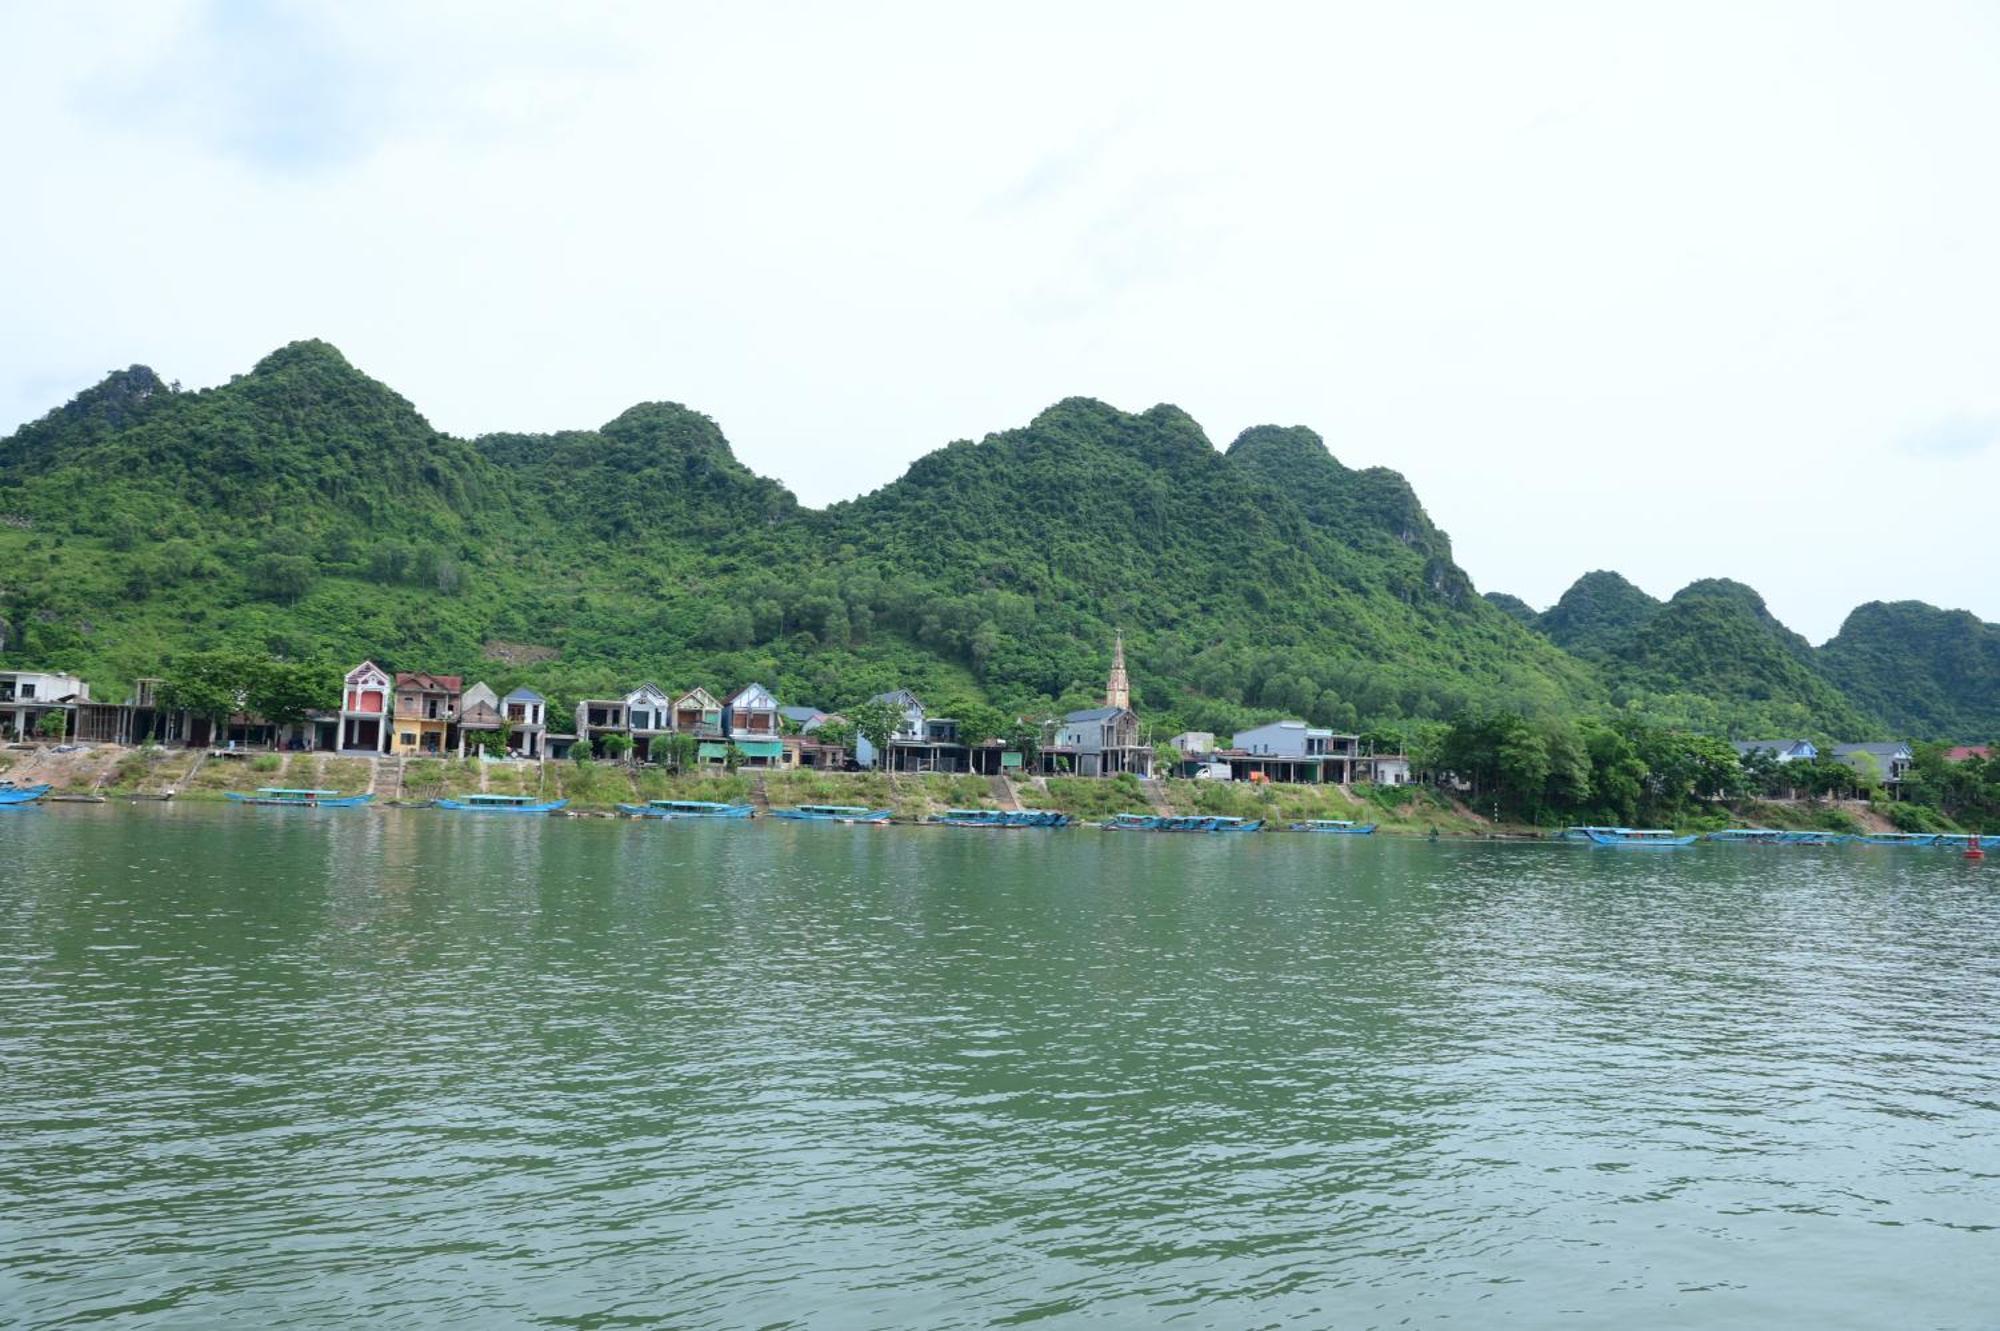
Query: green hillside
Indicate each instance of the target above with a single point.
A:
(1598, 615)
(307, 511)
(1927, 672)
(304, 510)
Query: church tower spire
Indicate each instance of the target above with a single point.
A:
(1118, 689)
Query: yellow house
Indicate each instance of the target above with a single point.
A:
(426, 711)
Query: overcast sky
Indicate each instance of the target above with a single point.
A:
(1702, 291)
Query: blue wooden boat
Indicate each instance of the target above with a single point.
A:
(15, 787)
(280, 797)
(1232, 825)
(1747, 836)
(687, 809)
(1903, 839)
(1813, 839)
(23, 794)
(1335, 827)
(976, 818)
(1000, 818)
(1199, 822)
(1585, 835)
(502, 804)
(1132, 822)
(1960, 840)
(1649, 839)
(833, 813)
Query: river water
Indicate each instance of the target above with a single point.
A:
(299, 1068)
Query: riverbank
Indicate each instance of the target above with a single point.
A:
(599, 787)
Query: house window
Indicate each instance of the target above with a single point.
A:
(408, 739)
(27, 689)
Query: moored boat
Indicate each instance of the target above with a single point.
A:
(1132, 822)
(280, 797)
(1585, 834)
(1901, 839)
(975, 818)
(1653, 838)
(1198, 822)
(23, 794)
(832, 813)
(1747, 836)
(501, 804)
(687, 809)
(1335, 826)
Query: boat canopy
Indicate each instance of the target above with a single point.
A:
(285, 790)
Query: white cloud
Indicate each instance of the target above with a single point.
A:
(1669, 292)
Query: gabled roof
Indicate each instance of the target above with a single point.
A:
(423, 679)
(524, 694)
(756, 693)
(1094, 714)
(701, 698)
(1879, 750)
(647, 693)
(801, 714)
(900, 698)
(1745, 746)
(365, 672)
(480, 692)
(1964, 752)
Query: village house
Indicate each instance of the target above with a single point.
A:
(426, 714)
(1293, 751)
(598, 717)
(367, 696)
(478, 714)
(26, 696)
(649, 713)
(805, 719)
(750, 724)
(697, 713)
(1890, 762)
(527, 714)
(921, 742)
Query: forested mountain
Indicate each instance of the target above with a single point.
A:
(1925, 671)
(307, 511)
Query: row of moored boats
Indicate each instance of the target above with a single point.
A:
(291, 798)
(1630, 838)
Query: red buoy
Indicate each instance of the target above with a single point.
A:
(1972, 850)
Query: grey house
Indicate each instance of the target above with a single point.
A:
(1293, 751)
(1891, 762)
(1101, 741)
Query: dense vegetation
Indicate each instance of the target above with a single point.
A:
(1924, 671)
(306, 513)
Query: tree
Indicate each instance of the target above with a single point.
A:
(732, 757)
(614, 746)
(53, 725)
(284, 692)
(877, 722)
(210, 685)
(675, 749)
(286, 579)
(1026, 740)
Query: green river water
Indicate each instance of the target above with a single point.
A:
(297, 1068)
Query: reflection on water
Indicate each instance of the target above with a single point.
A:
(285, 1069)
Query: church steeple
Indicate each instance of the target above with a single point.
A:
(1118, 689)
